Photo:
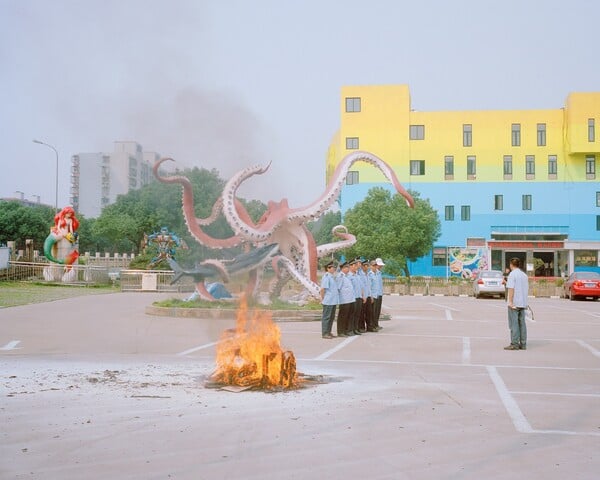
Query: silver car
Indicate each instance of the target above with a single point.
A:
(489, 282)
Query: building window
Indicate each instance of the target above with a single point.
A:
(449, 167)
(440, 257)
(471, 166)
(465, 213)
(541, 134)
(417, 132)
(352, 104)
(498, 202)
(591, 130)
(598, 222)
(552, 165)
(590, 166)
(351, 143)
(526, 201)
(507, 167)
(530, 166)
(352, 177)
(598, 199)
(449, 212)
(515, 135)
(467, 135)
(585, 258)
(417, 167)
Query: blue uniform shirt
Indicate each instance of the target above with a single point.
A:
(365, 284)
(355, 279)
(331, 295)
(373, 284)
(345, 288)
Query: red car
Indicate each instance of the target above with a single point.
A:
(582, 284)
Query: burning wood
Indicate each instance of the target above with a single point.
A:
(250, 356)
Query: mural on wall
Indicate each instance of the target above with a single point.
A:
(466, 262)
(280, 225)
(61, 247)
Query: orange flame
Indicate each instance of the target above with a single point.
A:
(251, 354)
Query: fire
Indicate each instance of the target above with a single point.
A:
(251, 355)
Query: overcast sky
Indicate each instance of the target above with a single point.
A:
(230, 83)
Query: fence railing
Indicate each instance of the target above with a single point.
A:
(52, 272)
(153, 281)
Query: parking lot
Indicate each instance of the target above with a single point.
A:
(92, 387)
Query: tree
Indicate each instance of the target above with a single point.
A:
(122, 225)
(19, 223)
(386, 227)
(321, 229)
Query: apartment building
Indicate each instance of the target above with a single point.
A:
(504, 182)
(98, 178)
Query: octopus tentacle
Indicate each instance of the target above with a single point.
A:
(332, 192)
(237, 216)
(194, 223)
(347, 241)
(312, 287)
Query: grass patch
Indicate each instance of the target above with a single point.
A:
(13, 294)
(233, 304)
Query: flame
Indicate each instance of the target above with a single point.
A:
(251, 354)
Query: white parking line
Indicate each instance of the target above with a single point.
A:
(466, 351)
(195, 349)
(514, 412)
(445, 307)
(519, 421)
(589, 347)
(12, 345)
(448, 315)
(557, 394)
(339, 346)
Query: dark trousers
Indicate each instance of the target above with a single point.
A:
(377, 310)
(327, 318)
(356, 314)
(366, 317)
(344, 315)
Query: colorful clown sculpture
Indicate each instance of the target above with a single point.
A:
(61, 246)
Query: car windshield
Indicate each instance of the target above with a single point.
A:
(491, 274)
(588, 275)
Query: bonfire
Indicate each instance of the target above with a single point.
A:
(250, 355)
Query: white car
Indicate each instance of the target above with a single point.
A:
(489, 282)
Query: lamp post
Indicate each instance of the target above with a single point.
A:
(56, 185)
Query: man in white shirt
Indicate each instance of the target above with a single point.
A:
(517, 286)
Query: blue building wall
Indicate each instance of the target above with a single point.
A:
(555, 209)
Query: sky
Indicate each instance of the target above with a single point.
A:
(227, 84)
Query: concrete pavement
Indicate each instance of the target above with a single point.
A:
(92, 387)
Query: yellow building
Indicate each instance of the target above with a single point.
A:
(517, 177)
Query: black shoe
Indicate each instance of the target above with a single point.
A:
(372, 330)
(523, 347)
(350, 333)
(328, 336)
(511, 347)
(342, 335)
(362, 330)
(357, 332)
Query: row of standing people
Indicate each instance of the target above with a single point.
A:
(357, 289)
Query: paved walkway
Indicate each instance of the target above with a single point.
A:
(94, 388)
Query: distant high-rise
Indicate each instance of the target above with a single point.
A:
(98, 178)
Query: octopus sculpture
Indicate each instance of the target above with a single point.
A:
(298, 253)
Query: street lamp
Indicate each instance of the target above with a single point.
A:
(56, 187)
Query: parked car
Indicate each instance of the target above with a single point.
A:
(489, 282)
(582, 284)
